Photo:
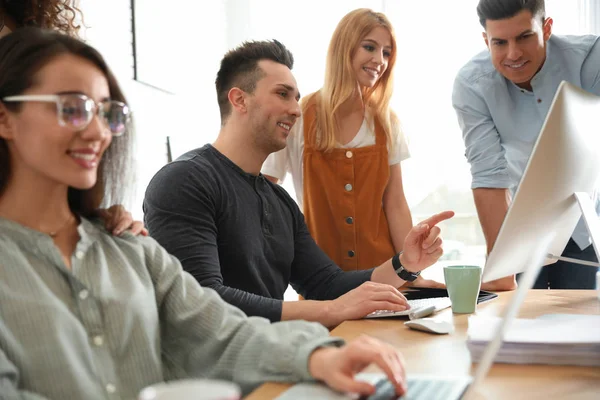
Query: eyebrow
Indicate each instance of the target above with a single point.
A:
(291, 89)
(374, 41)
(528, 31)
(81, 93)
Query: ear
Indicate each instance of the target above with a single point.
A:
(547, 28)
(237, 98)
(6, 123)
(485, 39)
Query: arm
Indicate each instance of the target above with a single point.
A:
(231, 346)
(347, 295)
(492, 206)
(590, 70)
(489, 168)
(203, 336)
(9, 382)
(396, 208)
(422, 248)
(185, 225)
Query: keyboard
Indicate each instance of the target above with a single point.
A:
(438, 302)
(422, 388)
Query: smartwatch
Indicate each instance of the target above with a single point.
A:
(402, 272)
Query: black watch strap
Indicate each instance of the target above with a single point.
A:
(402, 272)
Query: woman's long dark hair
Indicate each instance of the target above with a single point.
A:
(22, 54)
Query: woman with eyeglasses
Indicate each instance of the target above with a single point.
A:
(88, 315)
(60, 15)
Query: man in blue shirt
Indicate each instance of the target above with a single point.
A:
(501, 98)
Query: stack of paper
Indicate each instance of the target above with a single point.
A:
(565, 339)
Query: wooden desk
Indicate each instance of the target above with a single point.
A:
(447, 354)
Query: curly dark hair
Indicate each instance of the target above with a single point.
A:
(59, 15)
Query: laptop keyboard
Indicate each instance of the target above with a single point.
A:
(439, 302)
(421, 389)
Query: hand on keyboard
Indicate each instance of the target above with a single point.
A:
(439, 302)
(368, 297)
(337, 366)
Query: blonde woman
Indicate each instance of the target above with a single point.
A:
(344, 153)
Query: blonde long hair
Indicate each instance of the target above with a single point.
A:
(340, 80)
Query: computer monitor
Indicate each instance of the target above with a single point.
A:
(559, 180)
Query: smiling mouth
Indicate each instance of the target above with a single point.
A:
(516, 65)
(373, 72)
(285, 126)
(85, 160)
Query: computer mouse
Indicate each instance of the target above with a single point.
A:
(430, 325)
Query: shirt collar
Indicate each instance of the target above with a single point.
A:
(88, 232)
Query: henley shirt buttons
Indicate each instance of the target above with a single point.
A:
(79, 254)
(348, 187)
(539, 100)
(349, 154)
(83, 294)
(98, 340)
(110, 388)
(349, 220)
(351, 253)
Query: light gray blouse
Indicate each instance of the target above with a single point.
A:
(124, 317)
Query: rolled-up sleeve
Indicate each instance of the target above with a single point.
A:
(483, 148)
(590, 70)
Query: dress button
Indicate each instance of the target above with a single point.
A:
(349, 154)
(79, 254)
(349, 220)
(351, 253)
(110, 388)
(98, 340)
(348, 187)
(84, 294)
(539, 100)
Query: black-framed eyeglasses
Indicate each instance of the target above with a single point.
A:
(76, 111)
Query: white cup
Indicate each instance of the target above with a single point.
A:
(193, 389)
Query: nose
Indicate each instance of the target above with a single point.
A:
(378, 57)
(96, 129)
(295, 109)
(514, 51)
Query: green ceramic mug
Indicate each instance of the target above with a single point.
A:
(463, 283)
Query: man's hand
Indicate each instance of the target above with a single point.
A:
(359, 302)
(423, 244)
(117, 220)
(337, 366)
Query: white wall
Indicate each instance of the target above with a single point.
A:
(157, 115)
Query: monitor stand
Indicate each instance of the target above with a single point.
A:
(592, 223)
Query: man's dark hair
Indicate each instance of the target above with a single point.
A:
(239, 68)
(503, 9)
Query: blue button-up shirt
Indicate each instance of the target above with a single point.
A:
(501, 121)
